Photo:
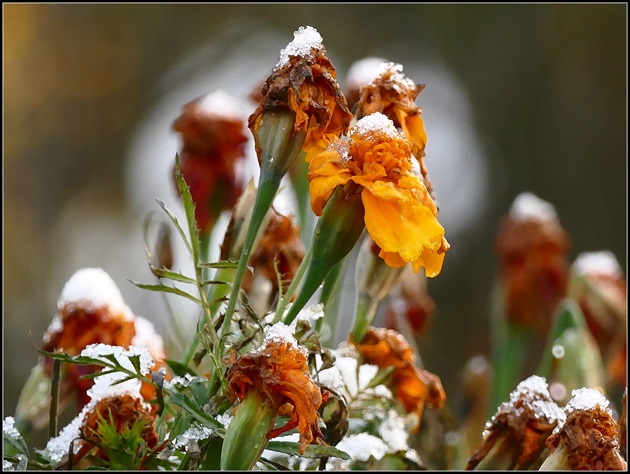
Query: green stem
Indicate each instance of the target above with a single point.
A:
(330, 298)
(54, 397)
(267, 190)
(293, 286)
(364, 316)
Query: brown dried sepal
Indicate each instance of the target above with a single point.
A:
(307, 85)
(279, 372)
(522, 428)
(590, 440)
(533, 270)
(412, 386)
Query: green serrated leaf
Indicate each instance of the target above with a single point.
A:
(221, 264)
(179, 369)
(167, 289)
(175, 276)
(175, 222)
(135, 361)
(312, 451)
(189, 208)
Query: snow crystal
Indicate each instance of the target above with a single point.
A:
(224, 419)
(535, 393)
(220, 104)
(305, 40)
(363, 72)
(586, 399)
(376, 122)
(106, 385)
(392, 430)
(528, 206)
(184, 381)
(353, 384)
(195, 433)
(279, 333)
(603, 261)
(59, 446)
(93, 288)
(361, 446)
(9, 430)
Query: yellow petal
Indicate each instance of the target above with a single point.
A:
(400, 224)
(325, 173)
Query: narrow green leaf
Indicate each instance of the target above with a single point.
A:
(189, 208)
(221, 264)
(175, 222)
(135, 361)
(166, 289)
(175, 276)
(313, 451)
(380, 377)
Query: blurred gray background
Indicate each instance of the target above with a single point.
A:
(518, 98)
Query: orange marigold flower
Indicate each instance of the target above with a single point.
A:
(278, 371)
(91, 311)
(400, 215)
(394, 95)
(123, 411)
(212, 132)
(304, 81)
(532, 248)
(412, 386)
(279, 250)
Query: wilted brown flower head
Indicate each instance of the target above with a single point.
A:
(278, 370)
(588, 439)
(523, 424)
(599, 287)
(123, 410)
(212, 131)
(279, 250)
(91, 311)
(394, 95)
(532, 248)
(304, 81)
(412, 386)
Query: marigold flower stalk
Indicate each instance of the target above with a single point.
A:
(301, 109)
(266, 380)
(374, 279)
(588, 439)
(533, 276)
(571, 358)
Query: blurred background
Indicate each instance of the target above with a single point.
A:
(518, 98)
